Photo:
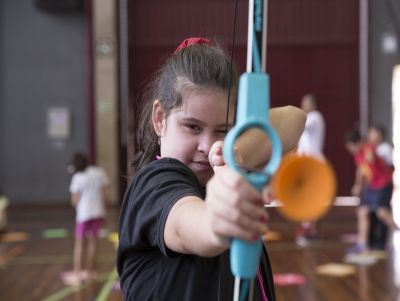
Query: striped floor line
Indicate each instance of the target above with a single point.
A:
(107, 287)
(61, 294)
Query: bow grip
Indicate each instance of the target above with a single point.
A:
(245, 258)
(253, 106)
(253, 110)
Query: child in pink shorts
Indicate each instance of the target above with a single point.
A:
(87, 197)
(90, 227)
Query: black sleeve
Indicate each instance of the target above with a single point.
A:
(148, 201)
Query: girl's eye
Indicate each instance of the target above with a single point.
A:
(193, 127)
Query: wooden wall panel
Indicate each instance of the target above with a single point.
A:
(331, 73)
(309, 22)
(312, 46)
(105, 84)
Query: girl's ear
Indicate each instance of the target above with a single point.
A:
(158, 117)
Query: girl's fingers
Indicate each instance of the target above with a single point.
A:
(268, 195)
(234, 202)
(237, 184)
(255, 222)
(215, 155)
(227, 229)
(227, 223)
(217, 161)
(239, 208)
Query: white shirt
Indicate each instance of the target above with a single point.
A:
(312, 140)
(89, 185)
(385, 151)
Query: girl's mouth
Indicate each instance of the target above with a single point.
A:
(201, 165)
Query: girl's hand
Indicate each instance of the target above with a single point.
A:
(268, 195)
(216, 158)
(215, 155)
(234, 207)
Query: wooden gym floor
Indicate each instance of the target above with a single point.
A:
(38, 247)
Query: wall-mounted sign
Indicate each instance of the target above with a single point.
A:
(58, 123)
(389, 43)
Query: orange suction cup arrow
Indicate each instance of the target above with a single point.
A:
(305, 187)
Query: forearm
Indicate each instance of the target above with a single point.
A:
(359, 182)
(104, 194)
(255, 147)
(74, 199)
(188, 230)
(359, 178)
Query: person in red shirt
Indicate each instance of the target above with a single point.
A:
(378, 232)
(373, 183)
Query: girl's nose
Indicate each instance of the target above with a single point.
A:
(205, 143)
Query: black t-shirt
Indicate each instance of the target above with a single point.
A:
(148, 269)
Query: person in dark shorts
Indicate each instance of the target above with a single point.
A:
(378, 232)
(373, 183)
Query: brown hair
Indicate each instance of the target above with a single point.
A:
(380, 128)
(353, 136)
(79, 162)
(198, 66)
(313, 98)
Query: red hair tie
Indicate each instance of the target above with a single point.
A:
(192, 41)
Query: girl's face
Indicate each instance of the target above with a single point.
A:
(353, 147)
(191, 129)
(374, 136)
(307, 104)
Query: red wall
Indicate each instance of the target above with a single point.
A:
(312, 46)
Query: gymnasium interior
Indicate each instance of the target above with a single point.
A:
(71, 76)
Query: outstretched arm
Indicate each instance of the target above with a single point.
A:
(232, 208)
